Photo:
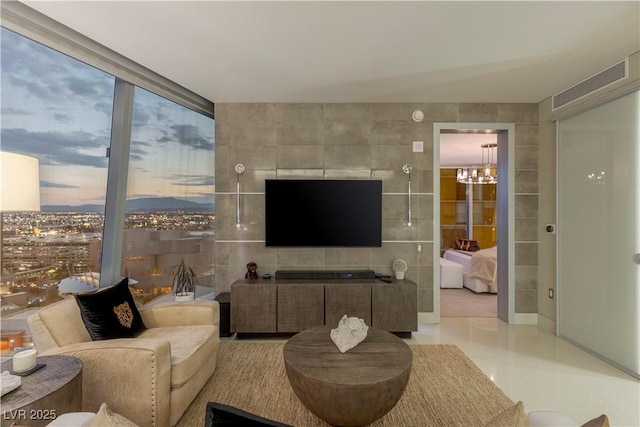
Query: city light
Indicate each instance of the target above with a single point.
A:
(42, 248)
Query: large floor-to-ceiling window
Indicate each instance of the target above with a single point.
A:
(57, 110)
(60, 111)
(170, 208)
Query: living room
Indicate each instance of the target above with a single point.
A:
(352, 134)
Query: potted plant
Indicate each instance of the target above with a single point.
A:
(399, 268)
(184, 281)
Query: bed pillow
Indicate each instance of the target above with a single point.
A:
(111, 313)
(467, 245)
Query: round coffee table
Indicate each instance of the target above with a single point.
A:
(347, 389)
(44, 394)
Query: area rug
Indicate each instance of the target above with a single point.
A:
(445, 389)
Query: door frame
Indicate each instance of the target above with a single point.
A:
(505, 206)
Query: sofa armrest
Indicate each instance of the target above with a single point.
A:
(131, 375)
(198, 312)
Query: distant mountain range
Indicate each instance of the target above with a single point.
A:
(148, 204)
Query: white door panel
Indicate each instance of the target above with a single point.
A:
(598, 232)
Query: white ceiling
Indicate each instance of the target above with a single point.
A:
(410, 52)
(363, 51)
(464, 149)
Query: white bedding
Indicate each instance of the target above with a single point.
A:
(480, 268)
(461, 257)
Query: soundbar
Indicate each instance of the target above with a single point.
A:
(325, 274)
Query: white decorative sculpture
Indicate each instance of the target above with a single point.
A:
(350, 332)
(9, 382)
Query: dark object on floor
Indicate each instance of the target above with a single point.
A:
(219, 415)
(224, 299)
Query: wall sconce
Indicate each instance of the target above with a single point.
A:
(239, 171)
(407, 170)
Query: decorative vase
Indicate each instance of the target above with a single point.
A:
(399, 267)
(185, 296)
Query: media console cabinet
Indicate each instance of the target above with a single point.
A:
(293, 305)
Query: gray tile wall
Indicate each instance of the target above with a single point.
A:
(358, 141)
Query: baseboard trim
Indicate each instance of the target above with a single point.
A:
(519, 318)
(546, 323)
(525, 319)
(426, 318)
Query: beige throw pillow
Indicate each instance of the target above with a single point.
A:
(601, 421)
(510, 417)
(107, 418)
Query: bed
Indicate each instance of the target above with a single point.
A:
(479, 268)
(450, 274)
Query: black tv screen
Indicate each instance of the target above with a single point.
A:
(323, 213)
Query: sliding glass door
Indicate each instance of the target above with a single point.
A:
(598, 231)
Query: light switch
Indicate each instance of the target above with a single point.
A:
(418, 146)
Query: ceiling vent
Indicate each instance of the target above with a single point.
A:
(611, 75)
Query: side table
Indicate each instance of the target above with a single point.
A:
(45, 394)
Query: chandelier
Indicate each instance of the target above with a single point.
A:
(487, 174)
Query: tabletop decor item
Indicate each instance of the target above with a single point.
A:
(24, 360)
(399, 268)
(252, 270)
(9, 382)
(184, 281)
(350, 332)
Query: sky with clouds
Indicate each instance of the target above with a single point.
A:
(59, 110)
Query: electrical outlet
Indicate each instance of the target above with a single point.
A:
(551, 293)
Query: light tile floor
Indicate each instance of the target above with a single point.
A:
(532, 364)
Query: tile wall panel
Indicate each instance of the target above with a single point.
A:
(527, 301)
(526, 181)
(479, 113)
(526, 210)
(365, 141)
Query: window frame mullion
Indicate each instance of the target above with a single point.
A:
(112, 236)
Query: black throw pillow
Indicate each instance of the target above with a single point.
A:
(111, 313)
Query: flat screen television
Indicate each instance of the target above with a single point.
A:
(323, 213)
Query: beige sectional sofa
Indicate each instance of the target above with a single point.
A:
(150, 379)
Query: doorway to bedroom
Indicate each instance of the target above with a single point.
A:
(468, 224)
(470, 215)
